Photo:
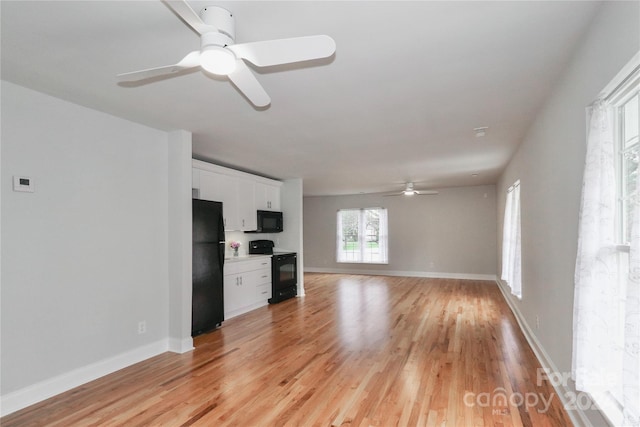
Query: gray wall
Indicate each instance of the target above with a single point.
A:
(84, 258)
(452, 233)
(549, 165)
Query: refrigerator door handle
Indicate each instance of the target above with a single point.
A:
(221, 252)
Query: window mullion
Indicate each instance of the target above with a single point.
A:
(361, 231)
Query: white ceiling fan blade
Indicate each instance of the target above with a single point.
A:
(192, 60)
(247, 83)
(416, 193)
(189, 16)
(285, 51)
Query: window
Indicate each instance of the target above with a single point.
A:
(627, 161)
(362, 236)
(511, 247)
(606, 360)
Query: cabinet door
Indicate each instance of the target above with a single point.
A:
(221, 188)
(260, 281)
(260, 198)
(195, 179)
(235, 292)
(263, 292)
(267, 197)
(273, 197)
(247, 218)
(208, 186)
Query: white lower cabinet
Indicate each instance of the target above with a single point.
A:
(247, 285)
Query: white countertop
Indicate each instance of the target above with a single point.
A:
(244, 258)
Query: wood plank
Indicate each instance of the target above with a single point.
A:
(356, 350)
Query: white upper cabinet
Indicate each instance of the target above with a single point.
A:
(221, 188)
(195, 179)
(267, 197)
(247, 216)
(241, 194)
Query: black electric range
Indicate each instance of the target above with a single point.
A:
(284, 270)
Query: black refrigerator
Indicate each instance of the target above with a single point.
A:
(208, 263)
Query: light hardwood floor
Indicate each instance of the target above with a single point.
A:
(357, 351)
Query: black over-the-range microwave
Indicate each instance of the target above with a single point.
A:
(269, 222)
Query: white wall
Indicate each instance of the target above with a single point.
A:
(180, 240)
(85, 256)
(549, 164)
(452, 234)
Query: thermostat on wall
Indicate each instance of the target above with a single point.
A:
(22, 183)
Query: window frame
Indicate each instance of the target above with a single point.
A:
(512, 244)
(618, 99)
(383, 237)
(621, 89)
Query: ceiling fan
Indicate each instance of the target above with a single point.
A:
(409, 190)
(220, 55)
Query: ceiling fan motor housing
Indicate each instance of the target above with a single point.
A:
(214, 39)
(220, 18)
(214, 58)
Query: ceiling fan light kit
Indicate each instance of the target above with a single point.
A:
(218, 60)
(220, 55)
(409, 190)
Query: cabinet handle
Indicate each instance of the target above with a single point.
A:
(243, 222)
(264, 277)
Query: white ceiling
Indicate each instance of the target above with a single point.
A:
(398, 102)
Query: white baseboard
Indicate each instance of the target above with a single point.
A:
(578, 417)
(180, 346)
(427, 274)
(38, 392)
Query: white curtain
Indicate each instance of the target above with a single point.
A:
(596, 299)
(340, 254)
(631, 358)
(383, 236)
(511, 243)
(606, 330)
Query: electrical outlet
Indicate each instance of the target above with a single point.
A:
(142, 327)
(537, 322)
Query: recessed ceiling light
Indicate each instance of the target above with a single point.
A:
(481, 131)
